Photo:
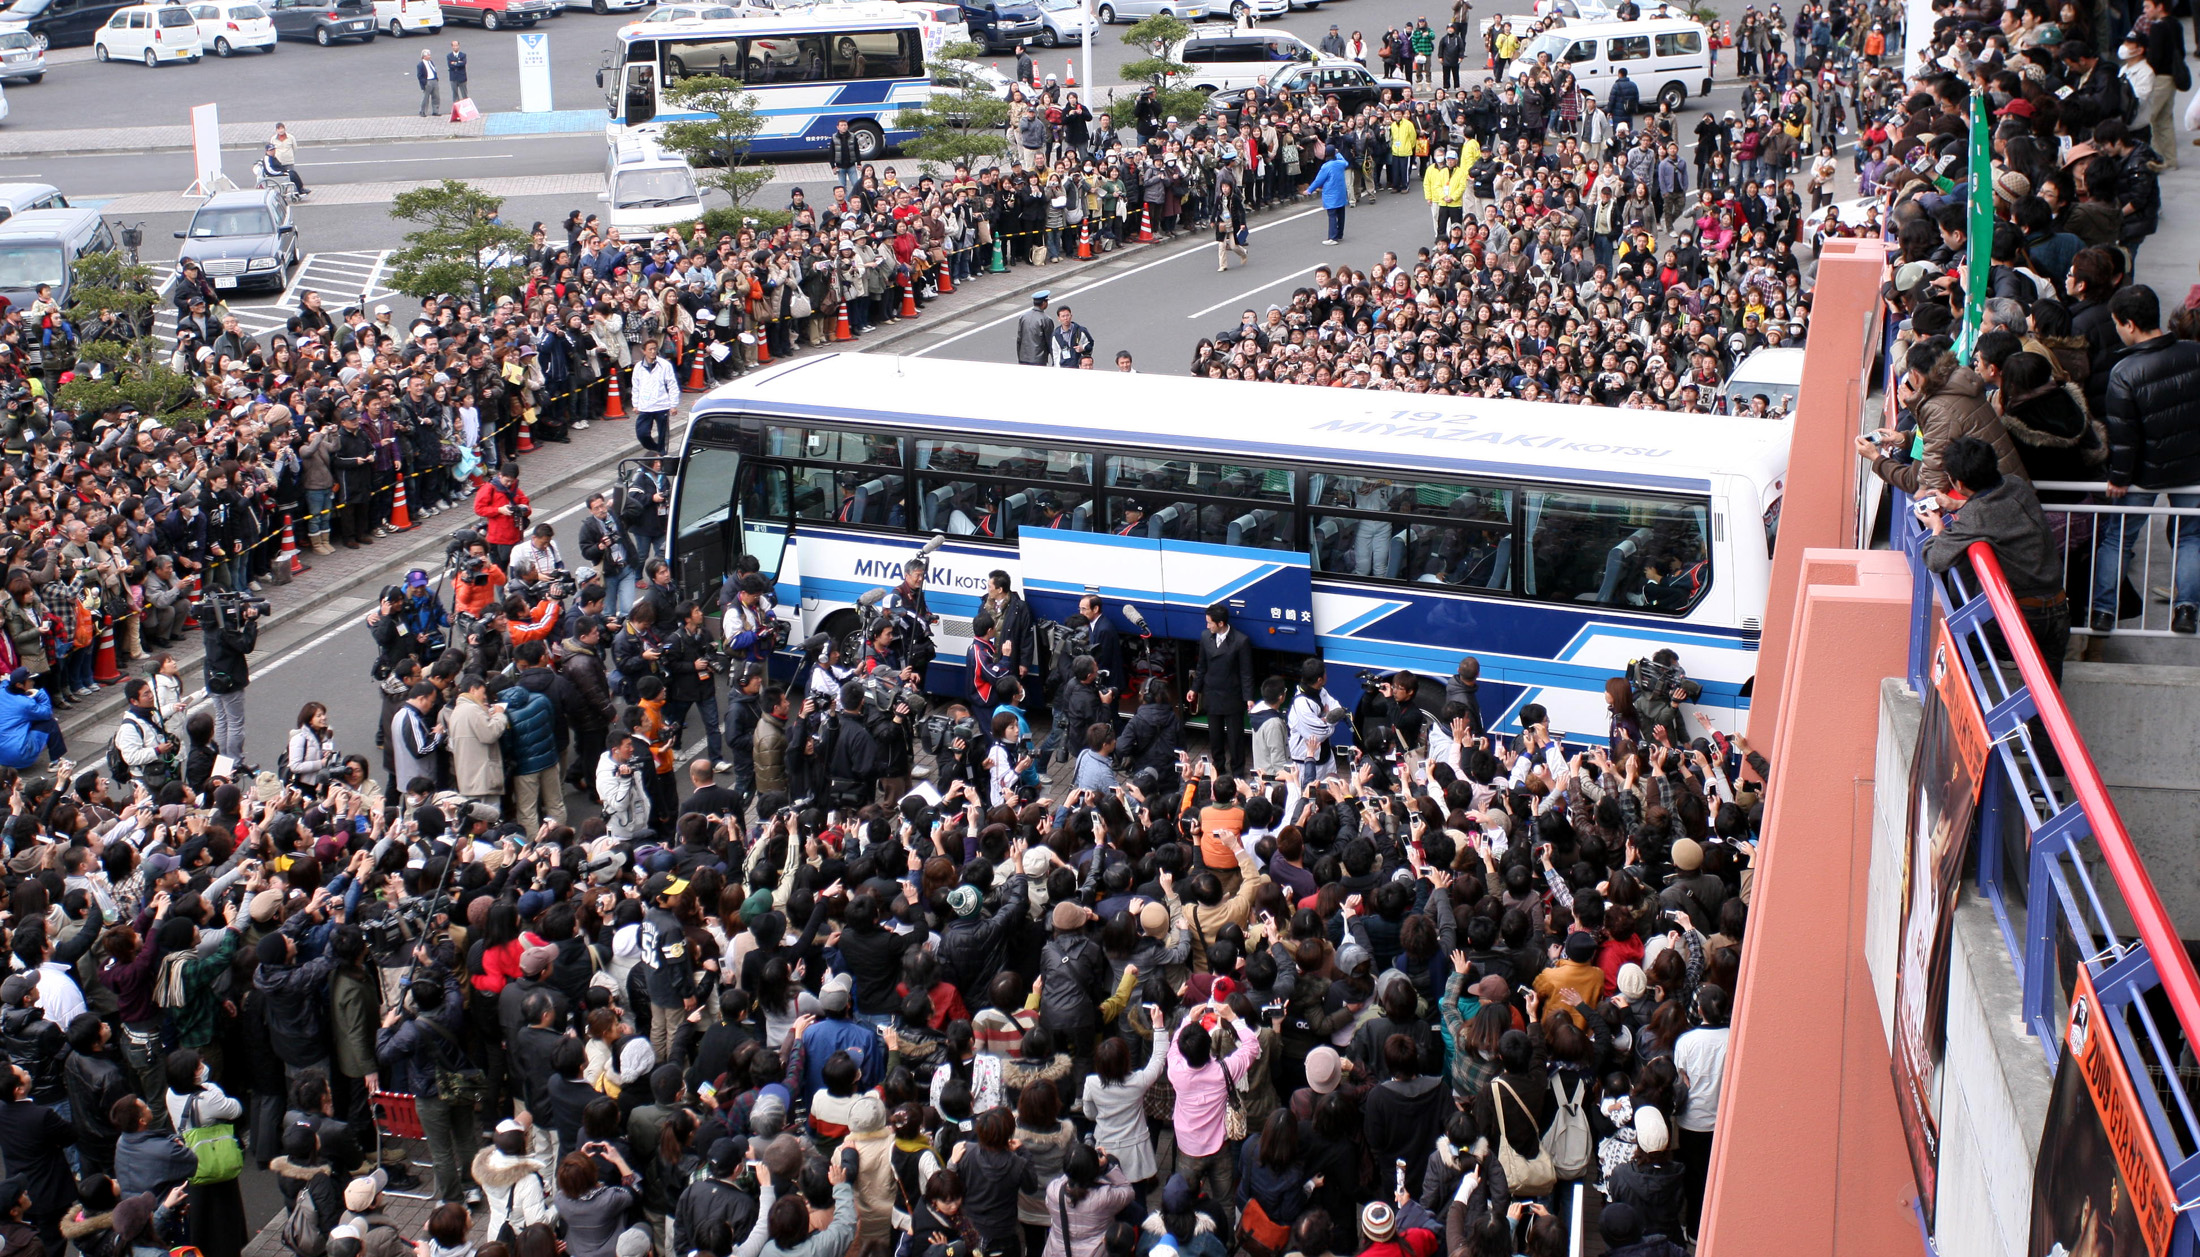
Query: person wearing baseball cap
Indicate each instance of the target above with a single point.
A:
(671, 972)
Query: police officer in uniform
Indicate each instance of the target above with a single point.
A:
(1035, 333)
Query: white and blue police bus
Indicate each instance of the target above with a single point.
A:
(808, 68)
(1382, 531)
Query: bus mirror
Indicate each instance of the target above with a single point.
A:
(599, 78)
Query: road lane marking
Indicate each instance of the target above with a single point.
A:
(1280, 279)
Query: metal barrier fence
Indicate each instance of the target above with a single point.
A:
(2046, 828)
(2146, 586)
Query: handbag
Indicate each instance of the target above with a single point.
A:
(215, 1145)
(1526, 1177)
(1260, 1235)
(798, 305)
(1233, 1122)
(464, 1085)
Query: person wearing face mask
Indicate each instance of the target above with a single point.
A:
(218, 1227)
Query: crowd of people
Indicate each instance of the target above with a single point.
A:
(871, 973)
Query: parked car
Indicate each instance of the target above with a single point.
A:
(1225, 59)
(242, 239)
(61, 23)
(228, 26)
(1348, 81)
(1113, 11)
(1062, 22)
(22, 57)
(498, 14)
(1001, 25)
(606, 6)
(691, 13)
(323, 21)
(155, 34)
(18, 198)
(399, 18)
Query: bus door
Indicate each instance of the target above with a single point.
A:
(1148, 565)
(641, 93)
(1269, 593)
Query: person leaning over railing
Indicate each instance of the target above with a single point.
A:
(2005, 513)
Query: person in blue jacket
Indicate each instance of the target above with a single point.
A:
(1334, 183)
(27, 727)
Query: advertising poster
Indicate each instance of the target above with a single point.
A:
(2099, 1188)
(1944, 789)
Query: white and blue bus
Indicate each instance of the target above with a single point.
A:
(809, 69)
(1380, 531)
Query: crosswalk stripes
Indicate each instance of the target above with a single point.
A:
(343, 278)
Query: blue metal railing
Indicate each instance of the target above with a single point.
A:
(2040, 776)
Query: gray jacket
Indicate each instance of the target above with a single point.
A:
(1034, 338)
(2007, 517)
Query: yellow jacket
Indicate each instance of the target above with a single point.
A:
(1403, 138)
(1445, 187)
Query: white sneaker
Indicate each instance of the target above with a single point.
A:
(1329, 242)
(723, 766)
(255, 586)
(580, 425)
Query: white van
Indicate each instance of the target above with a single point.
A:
(1669, 59)
(647, 188)
(18, 197)
(1774, 374)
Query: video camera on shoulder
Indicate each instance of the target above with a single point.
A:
(1653, 676)
(942, 731)
(230, 606)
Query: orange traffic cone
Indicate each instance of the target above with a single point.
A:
(191, 615)
(1084, 241)
(840, 329)
(104, 671)
(401, 514)
(1145, 225)
(611, 407)
(763, 346)
(908, 300)
(289, 553)
(947, 280)
(698, 375)
(526, 438)
(1069, 72)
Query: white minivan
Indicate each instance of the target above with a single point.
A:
(1776, 375)
(1669, 59)
(647, 189)
(157, 34)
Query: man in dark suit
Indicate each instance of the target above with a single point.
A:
(1225, 678)
(1107, 643)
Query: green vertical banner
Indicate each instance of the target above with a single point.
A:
(1979, 258)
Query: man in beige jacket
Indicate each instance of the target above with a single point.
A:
(476, 725)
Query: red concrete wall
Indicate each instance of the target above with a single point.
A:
(1819, 508)
(1809, 1157)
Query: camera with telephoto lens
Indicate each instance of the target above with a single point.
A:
(1371, 677)
(942, 731)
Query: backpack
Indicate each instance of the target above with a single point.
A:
(1567, 1142)
(633, 505)
(303, 1233)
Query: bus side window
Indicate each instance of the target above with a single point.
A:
(1615, 551)
(870, 55)
(641, 94)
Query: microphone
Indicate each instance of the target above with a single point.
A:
(1138, 620)
(932, 547)
(870, 598)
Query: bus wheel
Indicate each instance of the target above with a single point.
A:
(845, 629)
(870, 141)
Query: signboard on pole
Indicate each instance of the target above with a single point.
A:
(534, 72)
(1944, 786)
(206, 151)
(1979, 229)
(2100, 1185)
